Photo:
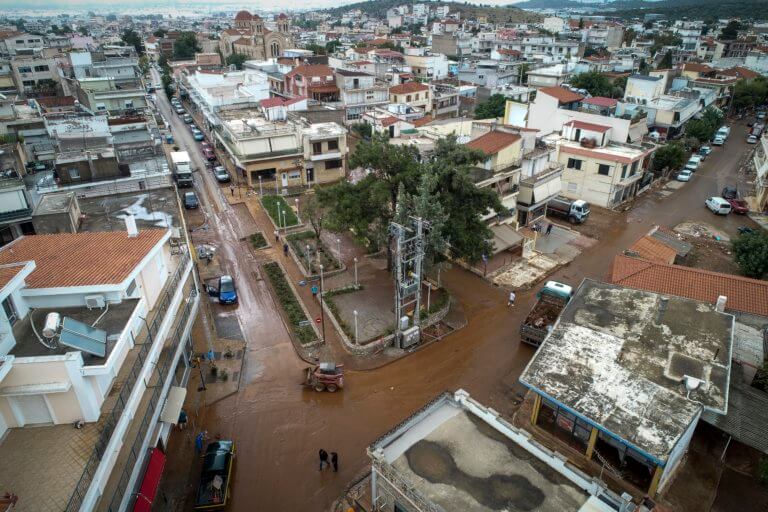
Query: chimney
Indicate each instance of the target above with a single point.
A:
(130, 226)
(720, 305)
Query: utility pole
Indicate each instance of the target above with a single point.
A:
(409, 256)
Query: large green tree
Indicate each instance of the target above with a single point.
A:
(751, 253)
(491, 108)
(748, 93)
(185, 46)
(731, 30)
(669, 157)
(705, 127)
(236, 59)
(596, 84)
(132, 38)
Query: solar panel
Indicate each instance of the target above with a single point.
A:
(83, 337)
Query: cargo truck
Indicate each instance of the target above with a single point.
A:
(575, 210)
(551, 302)
(182, 168)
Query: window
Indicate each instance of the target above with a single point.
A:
(623, 171)
(634, 168)
(74, 173)
(408, 98)
(42, 68)
(101, 106)
(294, 175)
(274, 48)
(25, 69)
(333, 145)
(28, 83)
(128, 103)
(333, 164)
(574, 163)
(604, 169)
(10, 310)
(317, 148)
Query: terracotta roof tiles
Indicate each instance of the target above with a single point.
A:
(655, 250)
(408, 87)
(563, 95)
(493, 142)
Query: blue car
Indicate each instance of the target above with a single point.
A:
(227, 290)
(198, 135)
(169, 139)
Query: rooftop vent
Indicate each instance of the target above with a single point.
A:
(130, 226)
(720, 305)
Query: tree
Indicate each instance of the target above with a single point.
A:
(750, 251)
(144, 64)
(131, 38)
(236, 59)
(594, 82)
(747, 94)
(704, 128)
(185, 46)
(83, 30)
(643, 68)
(162, 61)
(581, 23)
(492, 108)
(629, 36)
(160, 33)
(730, 31)
(670, 156)
(663, 39)
(332, 46)
(666, 61)
(315, 48)
(314, 212)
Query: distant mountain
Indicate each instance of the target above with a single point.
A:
(672, 9)
(379, 8)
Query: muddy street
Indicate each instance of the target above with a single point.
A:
(279, 426)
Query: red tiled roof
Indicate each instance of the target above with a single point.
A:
(653, 249)
(493, 142)
(744, 294)
(601, 101)
(243, 16)
(563, 95)
(322, 88)
(81, 259)
(408, 87)
(740, 72)
(696, 67)
(507, 51)
(588, 126)
(8, 272)
(56, 101)
(389, 121)
(272, 102)
(422, 121)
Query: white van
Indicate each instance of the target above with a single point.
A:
(693, 163)
(723, 132)
(718, 205)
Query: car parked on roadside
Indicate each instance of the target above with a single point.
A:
(752, 139)
(188, 118)
(738, 205)
(684, 175)
(190, 201)
(693, 163)
(221, 174)
(704, 151)
(209, 154)
(197, 135)
(718, 141)
(718, 205)
(225, 290)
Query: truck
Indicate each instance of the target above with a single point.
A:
(182, 168)
(327, 376)
(213, 490)
(575, 210)
(551, 302)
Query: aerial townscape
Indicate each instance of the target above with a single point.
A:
(384, 256)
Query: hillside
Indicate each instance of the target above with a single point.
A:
(379, 9)
(672, 9)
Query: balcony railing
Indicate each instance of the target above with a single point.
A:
(112, 417)
(15, 214)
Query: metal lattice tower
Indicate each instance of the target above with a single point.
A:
(409, 255)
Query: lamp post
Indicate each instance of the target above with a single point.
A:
(261, 190)
(297, 207)
(309, 265)
(285, 222)
(357, 340)
(277, 190)
(355, 260)
(322, 312)
(338, 249)
(279, 219)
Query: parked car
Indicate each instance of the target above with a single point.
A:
(190, 201)
(225, 290)
(180, 110)
(197, 135)
(169, 138)
(718, 141)
(188, 119)
(684, 175)
(738, 205)
(761, 115)
(718, 205)
(693, 163)
(704, 151)
(214, 489)
(752, 139)
(221, 174)
(209, 154)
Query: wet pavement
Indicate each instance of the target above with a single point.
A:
(279, 426)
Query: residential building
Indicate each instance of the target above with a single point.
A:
(689, 32)
(543, 112)
(445, 100)
(108, 96)
(15, 202)
(760, 161)
(211, 92)
(546, 49)
(413, 94)
(112, 359)
(666, 113)
(35, 75)
(250, 37)
(427, 66)
(19, 43)
(600, 171)
(314, 81)
(550, 76)
(623, 393)
(325, 153)
(360, 91)
(455, 429)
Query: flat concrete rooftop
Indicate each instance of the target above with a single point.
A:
(157, 208)
(619, 357)
(113, 322)
(456, 460)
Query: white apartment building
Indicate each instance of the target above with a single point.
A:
(211, 92)
(360, 92)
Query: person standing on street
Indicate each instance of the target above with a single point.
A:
(314, 291)
(335, 461)
(323, 458)
(549, 228)
(277, 236)
(285, 249)
(511, 301)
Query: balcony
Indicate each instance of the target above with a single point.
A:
(15, 215)
(317, 157)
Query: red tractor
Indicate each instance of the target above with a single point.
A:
(324, 377)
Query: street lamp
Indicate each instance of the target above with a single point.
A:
(297, 206)
(279, 219)
(357, 340)
(322, 313)
(261, 191)
(309, 265)
(285, 222)
(277, 191)
(338, 249)
(355, 260)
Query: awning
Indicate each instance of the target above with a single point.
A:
(504, 237)
(150, 482)
(173, 403)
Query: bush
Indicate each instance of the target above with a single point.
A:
(271, 205)
(299, 242)
(750, 251)
(290, 304)
(258, 241)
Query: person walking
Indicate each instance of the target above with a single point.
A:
(199, 440)
(285, 249)
(182, 420)
(314, 291)
(335, 461)
(232, 189)
(277, 236)
(511, 301)
(323, 458)
(549, 228)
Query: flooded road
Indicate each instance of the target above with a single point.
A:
(279, 427)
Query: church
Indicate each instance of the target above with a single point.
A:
(250, 37)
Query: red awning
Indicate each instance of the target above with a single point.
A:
(151, 481)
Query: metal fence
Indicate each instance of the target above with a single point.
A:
(112, 417)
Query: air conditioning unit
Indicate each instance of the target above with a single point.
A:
(95, 301)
